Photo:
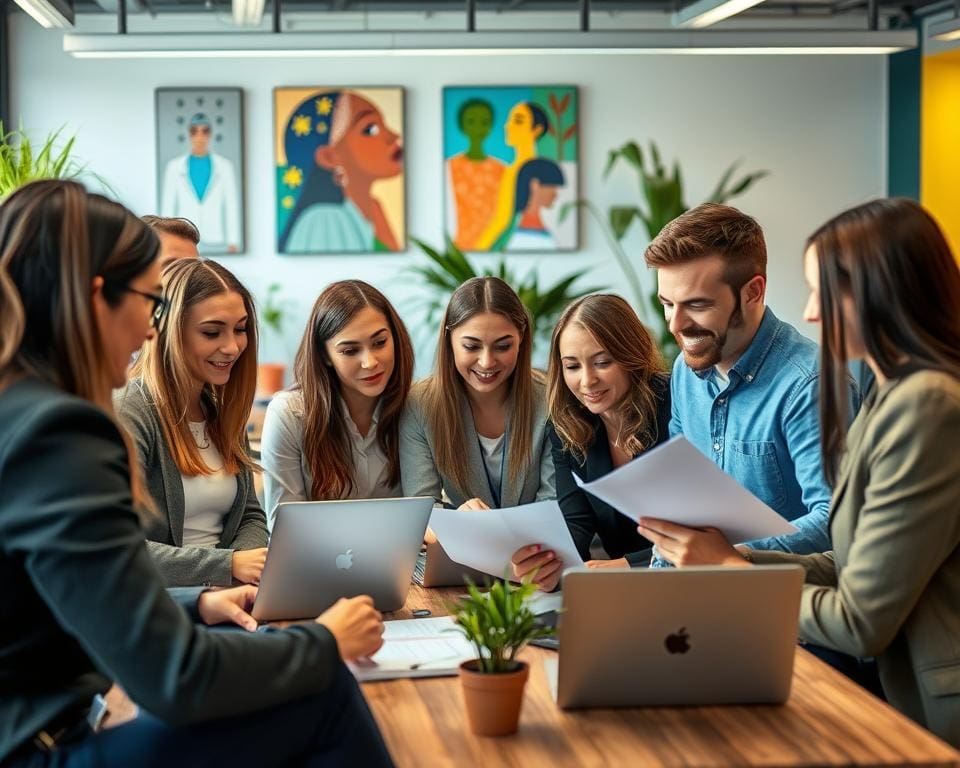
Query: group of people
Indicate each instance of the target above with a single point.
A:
(97, 454)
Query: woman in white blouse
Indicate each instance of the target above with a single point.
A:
(335, 433)
(186, 407)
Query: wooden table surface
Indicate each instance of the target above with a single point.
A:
(828, 720)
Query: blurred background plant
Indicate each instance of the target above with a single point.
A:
(661, 201)
(21, 161)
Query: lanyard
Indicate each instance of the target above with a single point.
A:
(495, 491)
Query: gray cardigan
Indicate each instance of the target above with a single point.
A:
(420, 477)
(244, 525)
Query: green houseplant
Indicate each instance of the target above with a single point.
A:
(21, 162)
(270, 376)
(450, 268)
(662, 200)
(499, 623)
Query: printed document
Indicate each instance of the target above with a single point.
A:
(416, 648)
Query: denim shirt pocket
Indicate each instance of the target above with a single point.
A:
(755, 461)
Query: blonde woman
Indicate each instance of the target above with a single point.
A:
(335, 433)
(609, 398)
(187, 409)
(474, 432)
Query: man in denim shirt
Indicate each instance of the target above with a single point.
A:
(745, 389)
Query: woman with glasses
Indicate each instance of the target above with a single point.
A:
(83, 606)
(187, 409)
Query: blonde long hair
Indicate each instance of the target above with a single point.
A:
(326, 441)
(444, 388)
(55, 238)
(164, 371)
(616, 328)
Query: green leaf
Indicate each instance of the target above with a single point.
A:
(621, 217)
(630, 152)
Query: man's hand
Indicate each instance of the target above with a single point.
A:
(532, 557)
(248, 564)
(356, 626)
(220, 606)
(690, 546)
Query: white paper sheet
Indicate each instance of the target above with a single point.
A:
(677, 483)
(416, 648)
(486, 539)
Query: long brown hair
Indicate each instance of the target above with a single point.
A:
(163, 368)
(890, 257)
(443, 390)
(326, 440)
(617, 329)
(55, 237)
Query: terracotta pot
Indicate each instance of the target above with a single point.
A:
(493, 700)
(270, 378)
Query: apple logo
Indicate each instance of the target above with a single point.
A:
(345, 561)
(677, 642)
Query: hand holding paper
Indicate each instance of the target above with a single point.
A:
(677, 483)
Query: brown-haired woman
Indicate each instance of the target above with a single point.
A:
(187, 410)
(474, 431)
(335, 433)
(83, 604)
(609, 398)
(885, 288)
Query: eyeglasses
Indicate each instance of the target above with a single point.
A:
(159, 305)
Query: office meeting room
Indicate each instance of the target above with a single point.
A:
(479, 383)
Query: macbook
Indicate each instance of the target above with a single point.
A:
(665, 636)
(321, 551)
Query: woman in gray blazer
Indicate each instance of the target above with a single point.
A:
(474, 432)
(885, 288)
(187, 411)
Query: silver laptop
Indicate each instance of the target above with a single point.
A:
(321, 551)
(672, 636)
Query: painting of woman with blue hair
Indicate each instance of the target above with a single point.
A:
(339, 170)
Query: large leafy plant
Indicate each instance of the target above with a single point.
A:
(661, 201)
(450, 268)
(498, 623)
(21, 162)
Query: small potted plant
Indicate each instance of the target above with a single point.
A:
(499, 623)
(270, 376)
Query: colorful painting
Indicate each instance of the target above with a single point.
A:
(200, 163)
(510, 161)
(339, 170)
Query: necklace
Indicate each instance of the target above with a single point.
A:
(199, 431)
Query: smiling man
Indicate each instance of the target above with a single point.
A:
(745, 389)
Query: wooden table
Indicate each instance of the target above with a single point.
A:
(828, 720)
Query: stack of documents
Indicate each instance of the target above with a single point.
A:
(486, 539)
(416, 648)
(677, 483)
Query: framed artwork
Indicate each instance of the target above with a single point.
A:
(339, 170)
(510, 164)
(200, 163)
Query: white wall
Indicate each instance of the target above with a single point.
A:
(816, 122)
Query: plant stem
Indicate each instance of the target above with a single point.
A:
(629, 272)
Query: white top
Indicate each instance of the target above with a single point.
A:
(492, 450)
(720, 379)
(206, 498)
(286, 475)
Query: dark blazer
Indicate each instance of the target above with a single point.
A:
(585, 514)
(891, 586)
(83, 603)
(244, 524)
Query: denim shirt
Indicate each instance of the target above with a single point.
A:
(763, 428)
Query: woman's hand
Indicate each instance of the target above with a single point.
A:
(248, 564)
(356, 626)
(220, 606)
(473, 504)
(532, 557)
(620, 562)
(690, 546)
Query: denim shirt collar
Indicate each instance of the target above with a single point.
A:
(748, 365)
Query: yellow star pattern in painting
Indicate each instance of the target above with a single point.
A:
(324, 105)
(293, 177)
(321, 127)
(302, 125)
(287, 202)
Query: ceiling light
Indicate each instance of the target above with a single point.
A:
(703, 13)
(946, 30)
(247, 13)
(49, 13)
(382, 44)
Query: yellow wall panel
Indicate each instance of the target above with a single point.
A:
(940, 142)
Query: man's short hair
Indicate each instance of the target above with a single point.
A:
(171, 225)
(712, 229)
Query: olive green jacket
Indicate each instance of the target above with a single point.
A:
(891, 586)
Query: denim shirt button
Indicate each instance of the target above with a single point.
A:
(716, 446)
(749, 377)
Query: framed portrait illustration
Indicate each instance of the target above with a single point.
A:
(200, 163)
(510, 157)
(339, 170)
